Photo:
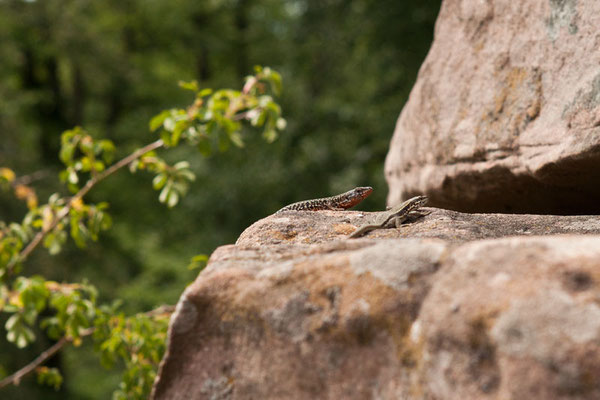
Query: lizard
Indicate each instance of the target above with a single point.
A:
(339, 202)
(397, 214)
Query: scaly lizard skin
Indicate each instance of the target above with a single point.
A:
(338, 203)
(397, 214)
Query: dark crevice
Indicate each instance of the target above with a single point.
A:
(567, 187)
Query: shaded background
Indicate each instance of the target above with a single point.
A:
(109, 66)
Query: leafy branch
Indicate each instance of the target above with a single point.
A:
(213, 121)
(15, 378)
(77, 198)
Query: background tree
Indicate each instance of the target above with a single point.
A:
(110, 66)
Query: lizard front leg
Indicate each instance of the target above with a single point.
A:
(399, 220)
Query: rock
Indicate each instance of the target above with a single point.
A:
(428, 311)
(302, 322)
(505, 113)
(513, 319)
(307, 227)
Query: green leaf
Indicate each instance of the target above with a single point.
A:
(180, 186)
(19, 231)
(108, 150)
(12, 322)
(205, 92)
(79, 235)
(159, 181)
(72, 177)
(164, 193)
(21, 338)
(98, 166)
(176, 135)
(187, 175)
(49, 241)
(29, 316)
(270, 135)
(18, 333)
(259, 119)
(192, 85)
(274, 79)
(173, 198)
(281, 124)
(166, 137)
(66, 153)
(198, 262)
(169, 124)
(54, 241)
(236, 139)
(181, 165)
(50, 377)
(157, 121)
(86, 144)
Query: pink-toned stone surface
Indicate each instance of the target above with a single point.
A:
(433, 310)
(301, 322)
(505, 113)
(514, 319)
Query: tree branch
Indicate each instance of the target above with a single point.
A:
(82, 192)
(16, 377)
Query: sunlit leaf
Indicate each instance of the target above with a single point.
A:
(157, 121)
(192, 85)
(205, 92)
(159, 181)
(173, 198)
(236, 139)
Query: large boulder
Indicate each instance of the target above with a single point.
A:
(505, 113)
(295, 310)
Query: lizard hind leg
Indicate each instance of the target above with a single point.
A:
(412, 215)
(399, 220)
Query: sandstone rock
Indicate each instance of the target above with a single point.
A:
(310, 228)
(513, 319)
(505, 113)
(301, 322)
(428, 311)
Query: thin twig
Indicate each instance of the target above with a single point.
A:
(82, 192)
(28, 179)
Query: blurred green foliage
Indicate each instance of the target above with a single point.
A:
(110, 66)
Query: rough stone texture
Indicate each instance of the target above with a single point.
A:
(505, 113)
(454, 227)
(513, 319)
(428, 311)
(301, 322)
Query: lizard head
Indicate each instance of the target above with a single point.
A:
(355, 196)
(420, 200)
(362, 191)
(414, 203)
